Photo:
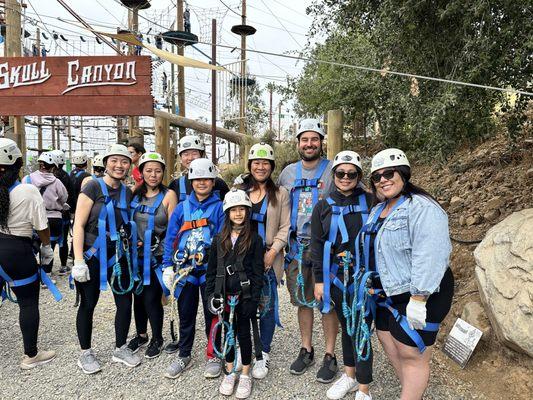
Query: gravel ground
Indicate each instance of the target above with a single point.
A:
(63, 379)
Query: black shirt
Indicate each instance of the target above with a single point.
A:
(220, 186)
(256, 208)
(77, 175)
(321, 224)
(66, 180)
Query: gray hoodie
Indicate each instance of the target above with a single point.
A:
(53, 191)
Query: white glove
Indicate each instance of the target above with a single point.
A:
(168, 277)
(239, 180)
(47, 254)
(416, 314)
(80, 271)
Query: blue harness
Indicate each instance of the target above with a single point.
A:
(299, 185)
(6, 283)
(106, 219)
(181, 252)
(367, 298)
(338, 226)
(260, 218)
(182, 195)
(147, 258)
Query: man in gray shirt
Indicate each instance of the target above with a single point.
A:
(308, 181)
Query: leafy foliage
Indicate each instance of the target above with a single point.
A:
(487, 43)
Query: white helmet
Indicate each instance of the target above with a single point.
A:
(312, 125)
(79, 157)
(261, 151)
(9, 152)
(389, 158)
(234, 198)
(191, 142)
(60, 157)
(151, 156)
(347, 157)
(98, 161)
(48, 158)
(117, 150)
(202, 168)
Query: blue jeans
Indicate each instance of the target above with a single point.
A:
(267, 323)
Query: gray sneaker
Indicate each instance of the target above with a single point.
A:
(126, 356)
(179, 365)
(88, 362)
(213, 366)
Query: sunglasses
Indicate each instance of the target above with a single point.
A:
(388, 174)
(350, 175)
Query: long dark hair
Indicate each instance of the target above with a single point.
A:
(7, 179)
(142, 189)
(245, 236)
(250, 184)
(409, 188)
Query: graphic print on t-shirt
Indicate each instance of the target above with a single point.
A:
(195, 241)
(305, 201)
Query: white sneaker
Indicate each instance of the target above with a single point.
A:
(238, 360)
(244, 389)
(342, 387)
(260, 369)
(362, 396)
(227, 384)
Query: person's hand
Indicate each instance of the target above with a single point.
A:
(269, 258)
(168, 277)
(416, 313)
(47, 254)
(80, 271)
(319, 291)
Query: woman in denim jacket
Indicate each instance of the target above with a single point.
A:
(409, 246)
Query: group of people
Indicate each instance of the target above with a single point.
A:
(367, 256)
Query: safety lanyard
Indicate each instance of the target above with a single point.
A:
(260, 218)
(147, 240)
(182, 188)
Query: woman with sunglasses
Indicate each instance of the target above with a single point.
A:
(335, 223)
(406, 241)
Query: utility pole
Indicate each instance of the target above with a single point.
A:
(181, 69)
(69, 135)
(39, 119)
(13, 48)
(242, 103)
(81, 133)
(335, 130)
(214, 92)
(133, 122)
(53, 132)
(271, 89)
(279, 121)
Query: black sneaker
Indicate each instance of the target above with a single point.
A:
(154, 348)
(171, 348)
(328, 370)
(304, 360)
(64, 270)
(137, 342)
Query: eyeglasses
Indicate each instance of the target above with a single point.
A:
(388, 174)
(350, 175)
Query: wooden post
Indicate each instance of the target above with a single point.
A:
(335, 128)
(271, 89)
(13, 48)
(39, 118)
(134, 133)
(162, 144)
(181, 69)
(279, 121)
(214, 92)
(53, 128)
(81, 133)
(69, 135)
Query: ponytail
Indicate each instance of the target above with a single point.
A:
(8, 177)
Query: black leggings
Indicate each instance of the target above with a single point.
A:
(363, 369)
(243, 332)
(63, 250)
(148, 306)
(89, 295)
(18, 262)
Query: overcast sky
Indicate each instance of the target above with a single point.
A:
(281, 26)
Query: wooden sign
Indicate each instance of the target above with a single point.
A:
(62, 86)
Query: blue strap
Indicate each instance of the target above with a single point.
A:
(188, 217)
(159, 273)
(79, 173)
(182, 188)
(260, 218)
(14, 185)
(147, 240)
(28, 180)
(50, 285)
(26, 281)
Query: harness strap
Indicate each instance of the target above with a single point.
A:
(182, 188)
(260, 218)
(26, 281)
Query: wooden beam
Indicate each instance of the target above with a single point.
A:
(202, 127)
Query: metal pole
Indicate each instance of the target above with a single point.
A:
(133, 122)
(39, 118)
(279, 121)
(181, 69)
(270, 113)
(53, 132)
(81, 134)
(242, 105)
(69, 134)
(214, 92)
